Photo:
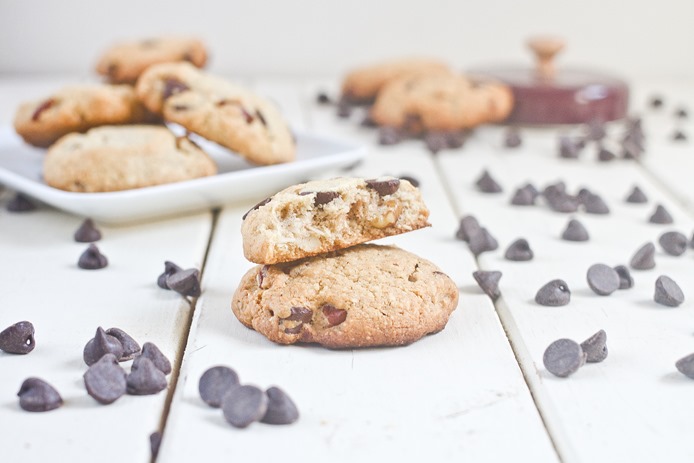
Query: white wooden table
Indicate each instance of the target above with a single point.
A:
(477, 391)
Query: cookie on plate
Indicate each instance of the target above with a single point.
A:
(325, 215)
(362, 85)
(218, 110)
(114, 158)
(366, 295)
(78, 108)
(124, 62)
(440, 103)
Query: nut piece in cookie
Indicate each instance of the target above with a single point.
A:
(326, 215)
(77, 108)
(124, 62)
(218, 110)
(366, 295)
(113, 158)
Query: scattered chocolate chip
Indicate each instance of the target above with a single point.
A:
(554, 189)
(685, 365)
(87, 232)
(105, 380)
(41, 108)
(563, 357)
(575, 231)
(257, 206)
(512, 138)
(469, 226)
(185, 282)
(323, 98)
(568, 148)
(661, 216)
(486, 184)
(280, 408)
(596, 130)
(673, 243)
(631, 148)
(344, 109)
(436, 141)
(20, 203)
(595, 347)
(679, 135)
(36, 395)
(324, 197)
(384, 187)
(154, 444)
(594, 204)
(130, 346)
(656, 101)
(145, 378)
(625, 279)
(482, 241)
(243, 405)
(602, 279)
(173, 87)
(389, 135)
(18, 338)
(681, 113)
(563, 203)
(523, 197)
(519, 250)
(100, 345)
(605, 155)
(554, 294)
(92, 259)
(169, 269)
(413, 181)
(368, 121)
(489, 282)
(215, 383)
(644, 258)
(667, 292)
(583, 195)
(456, 140)
(637, 196)
(151, 351)
(334, 315)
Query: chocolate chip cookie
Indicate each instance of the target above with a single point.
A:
(362, 85)
(218, 110)
(77, 108)
(325, 215)
(124, 62)
(366, 295)
(114, 158)
(440, 103)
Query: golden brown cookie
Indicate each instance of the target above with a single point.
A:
(114, 158)
(325, 215)
(366, 295)
(124, 62)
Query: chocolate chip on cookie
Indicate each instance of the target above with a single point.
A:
(384, 187)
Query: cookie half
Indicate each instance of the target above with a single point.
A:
(325, 215)
(124, 62)
(218, 110)
(77, 109)
(124, 157)
(367, 295)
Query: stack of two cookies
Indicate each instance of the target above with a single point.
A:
(318, 282)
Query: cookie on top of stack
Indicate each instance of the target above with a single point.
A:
(318, 282)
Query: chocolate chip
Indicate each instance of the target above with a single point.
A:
(661, 216)
(92, 259)
(18, 338)
(105, 380)
(100, 345)
(130, 346)
(489, 282)
(656, 101)
(482, 241)
(625, 279)
(469, 226)
(112, 70)
(169, 269)
(145, 378)
(644, 258)
(673, 243)
(257, 206)
(324, 197)
(262, 273)
(595, 347)
(602, 279)
(280, 408)
(248, 117)
(554, 294)
(334, 315)
(243, 405)
(523, 197)
(605, 155)
(260, 117)
(389, 135)
(631, 148)
(20, 203)
(152, 353)
(408, 178)
(563, 357)
(384, 187)
(681, 113)
(436, 141)
(323, 98)
(637, 196)
(568, 148)
(486, 184)
(554, 190)
(413, 124)
(154, 443)
(456, 140)
(185, 282)
(41, 108)
(368, 121)
(301, 314)
(215, 383)
(344, 109)
(596, 130)
(519, 250)
(685, 365)
(583, 195)
(173, 87)
(594, 204)
(679, 135)
(667, 292)
(180, 107)
(87, 232)
(575, 231)
(36, 395)
(563, 203)
(512, 138)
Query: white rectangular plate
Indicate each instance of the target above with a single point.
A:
(237, 180)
